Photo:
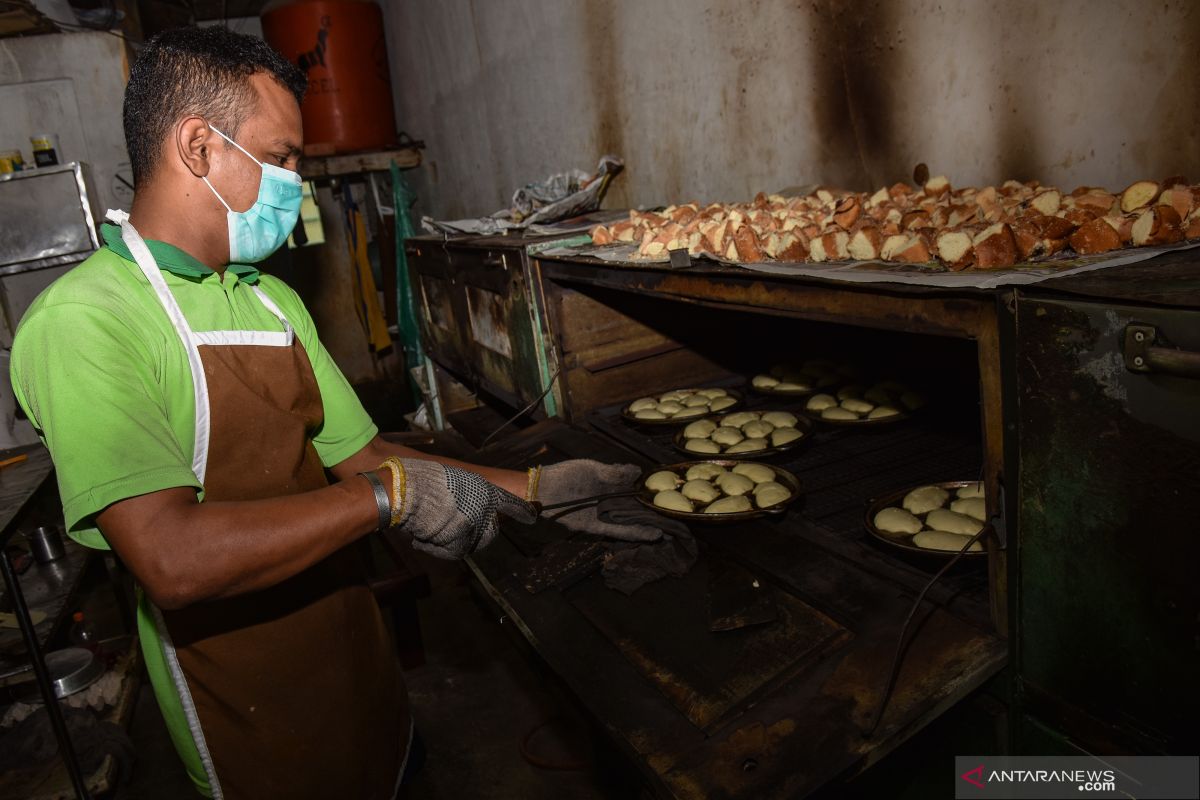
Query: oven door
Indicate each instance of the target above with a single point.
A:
(1108, 601)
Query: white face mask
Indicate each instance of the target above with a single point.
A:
(261, 229)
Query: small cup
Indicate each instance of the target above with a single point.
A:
(46, 543)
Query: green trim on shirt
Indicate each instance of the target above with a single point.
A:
(171, 258)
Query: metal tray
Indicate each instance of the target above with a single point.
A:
(883, 422)
(904, 540)
(803, 424)
(782, 395)
(734, 393)
(787, 479)
(71, 670)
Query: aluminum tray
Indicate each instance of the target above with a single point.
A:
(904, 540)
(803, 424)
(787, 479)
(737, 396)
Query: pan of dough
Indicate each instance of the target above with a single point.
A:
(718, 491)
(814, 375)
(681, 405)
(864, 405)
(933, 519)
(745, 434)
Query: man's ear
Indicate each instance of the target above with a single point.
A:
(194, 140)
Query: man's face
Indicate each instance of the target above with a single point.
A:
(273, 133)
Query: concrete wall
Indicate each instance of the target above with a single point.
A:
(716, 100)
(71, 84)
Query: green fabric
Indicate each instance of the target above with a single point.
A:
(103, 376)
(171, 258)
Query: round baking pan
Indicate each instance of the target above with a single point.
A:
(782, 476)
(862, 422)
(904, 540)
(738, 399)
(782, 395)
(71, 670)
(803, 425)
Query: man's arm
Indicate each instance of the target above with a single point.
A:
(376, 450)
(182, 551)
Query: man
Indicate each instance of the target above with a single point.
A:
(191, 410)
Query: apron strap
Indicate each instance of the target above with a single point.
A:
(145, 260)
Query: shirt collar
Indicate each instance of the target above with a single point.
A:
(172, 259)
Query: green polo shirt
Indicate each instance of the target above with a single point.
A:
(104, 377)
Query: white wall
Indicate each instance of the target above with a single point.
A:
(717, 99)
(71, 84)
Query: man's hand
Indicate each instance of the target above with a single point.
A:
(580, 478)
(450, 512)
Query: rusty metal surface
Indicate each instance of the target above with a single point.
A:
(664, 630)
(736, 599)
(1110, 475)
(937, 310)
(790, 720)
(1171, 279)
(477, 317)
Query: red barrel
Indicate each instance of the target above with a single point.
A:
(340, 46)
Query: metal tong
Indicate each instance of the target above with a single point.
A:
(567, 506)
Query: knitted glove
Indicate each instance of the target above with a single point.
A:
(451, 512)
(580, 478)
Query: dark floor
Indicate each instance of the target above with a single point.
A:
(474, 701)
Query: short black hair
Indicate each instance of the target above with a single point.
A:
(201, 71)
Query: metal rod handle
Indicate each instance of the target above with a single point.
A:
(1143, 355)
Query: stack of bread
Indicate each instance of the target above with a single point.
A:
(989, 228)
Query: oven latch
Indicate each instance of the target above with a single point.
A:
(1145, 350)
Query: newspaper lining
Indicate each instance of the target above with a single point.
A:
(890, 272)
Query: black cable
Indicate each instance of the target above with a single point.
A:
(524, 410)
(898, 658)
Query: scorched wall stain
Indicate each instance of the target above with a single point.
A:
(717, 100)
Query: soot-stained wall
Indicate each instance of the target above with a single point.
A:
(717, 100)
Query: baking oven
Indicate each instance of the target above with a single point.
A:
(1087, 456)
(799, 690)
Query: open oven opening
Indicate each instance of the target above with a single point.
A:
(653, 345)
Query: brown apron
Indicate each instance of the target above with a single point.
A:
(295, 688)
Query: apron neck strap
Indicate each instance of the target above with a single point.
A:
(149, 266)
(145, 261)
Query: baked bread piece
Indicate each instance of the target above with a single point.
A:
(995, 247)
(1157, 225)
(865, 244)
(956, 250)
(1179, 198)
(991, 227)
(1097, 236)
(1192, 229)
(1139, 195)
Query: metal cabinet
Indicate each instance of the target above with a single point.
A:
(49, 228)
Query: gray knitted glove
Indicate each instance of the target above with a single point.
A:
(451, 513)
(580, 478)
